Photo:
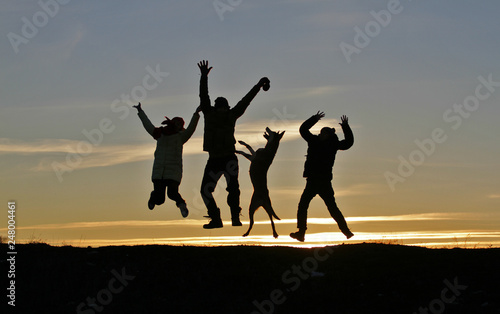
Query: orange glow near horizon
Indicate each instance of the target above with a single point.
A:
(189, 233)
(438, 239)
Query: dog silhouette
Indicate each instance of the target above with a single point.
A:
(260, 161)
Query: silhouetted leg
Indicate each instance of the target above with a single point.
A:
(254, 205)
(158, 194)
(266, 203)
(208, 184)
(173, 192)
(328, 196)
(308, 194)
(270, 211)
(233, 189)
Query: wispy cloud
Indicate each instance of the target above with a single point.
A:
(9, 146)
(111, 224)
(197, 223)
(101, 156)
(67, 47)
(49, 150)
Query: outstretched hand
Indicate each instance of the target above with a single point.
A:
(198, 110)
(264, 83)
(319, 115)
(138, 107)
(204, 69)
(344, 120)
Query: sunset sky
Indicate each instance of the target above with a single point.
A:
(419, 81)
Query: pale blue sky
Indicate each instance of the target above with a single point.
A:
(64, 80)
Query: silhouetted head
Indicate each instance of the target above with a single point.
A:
(174, 125)
(327, 133)
(272, 136)
(221, 104)
(178, 123)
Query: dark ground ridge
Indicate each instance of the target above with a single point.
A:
(355, 278)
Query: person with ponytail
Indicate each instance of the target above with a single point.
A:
(167, 165)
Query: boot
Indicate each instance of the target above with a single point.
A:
(235, 217)
(151, 202)
(299, 235)
(348, 233)
(213, 224)
(184, 209)
(215, 220)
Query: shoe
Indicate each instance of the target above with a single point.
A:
(213, 224)
(235, 216)
(299, 235)
(151, 203)
(349, 234)
(184, 210)
(236, 222)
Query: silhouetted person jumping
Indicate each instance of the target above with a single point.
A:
(219, 142)
(167, 166)
(318, 168)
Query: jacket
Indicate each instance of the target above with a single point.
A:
(168, 154)
(321, 154)
(218, 138)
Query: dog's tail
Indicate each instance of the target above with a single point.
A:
(275, 216)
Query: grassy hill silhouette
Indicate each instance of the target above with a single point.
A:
(357, 278)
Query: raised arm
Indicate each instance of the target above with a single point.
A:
(308, 124)
(348, 141)
(242, 105)
(204, 98)
(144, 119)
(186, 134)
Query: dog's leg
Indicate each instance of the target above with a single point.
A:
(269, 209)
(251, 211)
(275, 234)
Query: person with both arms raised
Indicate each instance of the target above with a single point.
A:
(321, 151)
(219, 142)
(167, 166)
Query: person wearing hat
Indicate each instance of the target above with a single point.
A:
(167, 165)
(219, 142)
(321, 151)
